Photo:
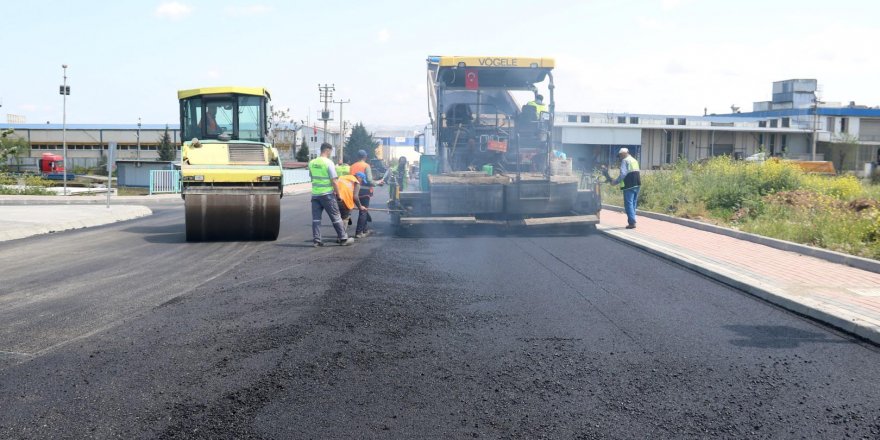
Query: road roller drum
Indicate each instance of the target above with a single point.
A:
(230, 217)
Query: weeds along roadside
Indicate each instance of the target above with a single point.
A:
(774, 199)
(11, 184)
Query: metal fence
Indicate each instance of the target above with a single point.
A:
(164, 181)
(292, 177)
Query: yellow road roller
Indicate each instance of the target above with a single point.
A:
(231, 180)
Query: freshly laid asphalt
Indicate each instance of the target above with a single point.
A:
(126, 330)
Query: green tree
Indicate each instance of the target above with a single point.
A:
(167, 150)
(12, 147)
(360, 139)
(302, 155)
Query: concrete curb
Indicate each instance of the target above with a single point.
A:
(824, 254)
(156, 199)
(833, 316)
(115, 214)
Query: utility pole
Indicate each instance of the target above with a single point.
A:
(815, 124)
(326, 92)
(341, 131)
(65, 90)
(138, 151)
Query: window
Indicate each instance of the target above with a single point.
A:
(585, 118)
(786, 122)
(762, 124)
(682, 121)
(250, 123)
(760, 140)
(634, 120)
(843, 125)
(829, 124)
(621, 119)
(772, 149)
(668, 147)
(783, 141)
(670, 121)
(774, 123)
(572, 118)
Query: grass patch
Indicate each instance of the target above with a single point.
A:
(132, 191)
(24, 185)
(774, 199)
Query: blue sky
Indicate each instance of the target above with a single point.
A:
(127, 59)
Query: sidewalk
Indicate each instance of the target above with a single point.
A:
(25, 216)
(836, 294)
(25, 221)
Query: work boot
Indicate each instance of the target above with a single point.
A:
(346, 241)
(633, 226)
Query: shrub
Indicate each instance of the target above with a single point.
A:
(840, 187)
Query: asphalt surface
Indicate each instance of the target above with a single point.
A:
(126, 331)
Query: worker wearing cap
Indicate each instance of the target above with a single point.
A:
(348, 186)
(630, 181)
(538, 104)
(366, 192)
(324, 187)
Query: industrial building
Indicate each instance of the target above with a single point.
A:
(785, 126)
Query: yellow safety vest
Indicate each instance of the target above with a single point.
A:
(539, 108)
(320, 172)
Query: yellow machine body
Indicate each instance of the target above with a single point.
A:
(231, 178)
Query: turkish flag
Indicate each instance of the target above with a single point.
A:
(471, 79)
(316, 129)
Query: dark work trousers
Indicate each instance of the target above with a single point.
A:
(327, 202)
(363, 216)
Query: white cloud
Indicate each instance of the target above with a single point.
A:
(248, 10)
(384, 35)
(649, 23)
(214, 74)
(669, 5)
(173, 10)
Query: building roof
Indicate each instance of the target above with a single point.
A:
(90, 126)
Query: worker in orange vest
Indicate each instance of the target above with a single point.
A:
(366, 192)
(348, 186)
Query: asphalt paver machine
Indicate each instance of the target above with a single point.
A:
(494, 160)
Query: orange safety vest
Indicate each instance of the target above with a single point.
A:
(361, 167)
(346, 190)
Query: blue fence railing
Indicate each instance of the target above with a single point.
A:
(168, 181)
(164, 181)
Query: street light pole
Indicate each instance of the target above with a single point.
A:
(138, 151)
(64, 92)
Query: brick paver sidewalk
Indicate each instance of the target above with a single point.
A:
(840, 295)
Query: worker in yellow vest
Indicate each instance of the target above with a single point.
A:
(324, 190)
(630, 181)
(538, 104)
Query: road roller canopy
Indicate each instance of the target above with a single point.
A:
(471, 73)
(224, 113)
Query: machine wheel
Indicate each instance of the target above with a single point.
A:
(231, 217)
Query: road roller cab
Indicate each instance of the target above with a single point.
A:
(230, 176)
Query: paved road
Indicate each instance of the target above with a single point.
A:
(127, 331)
